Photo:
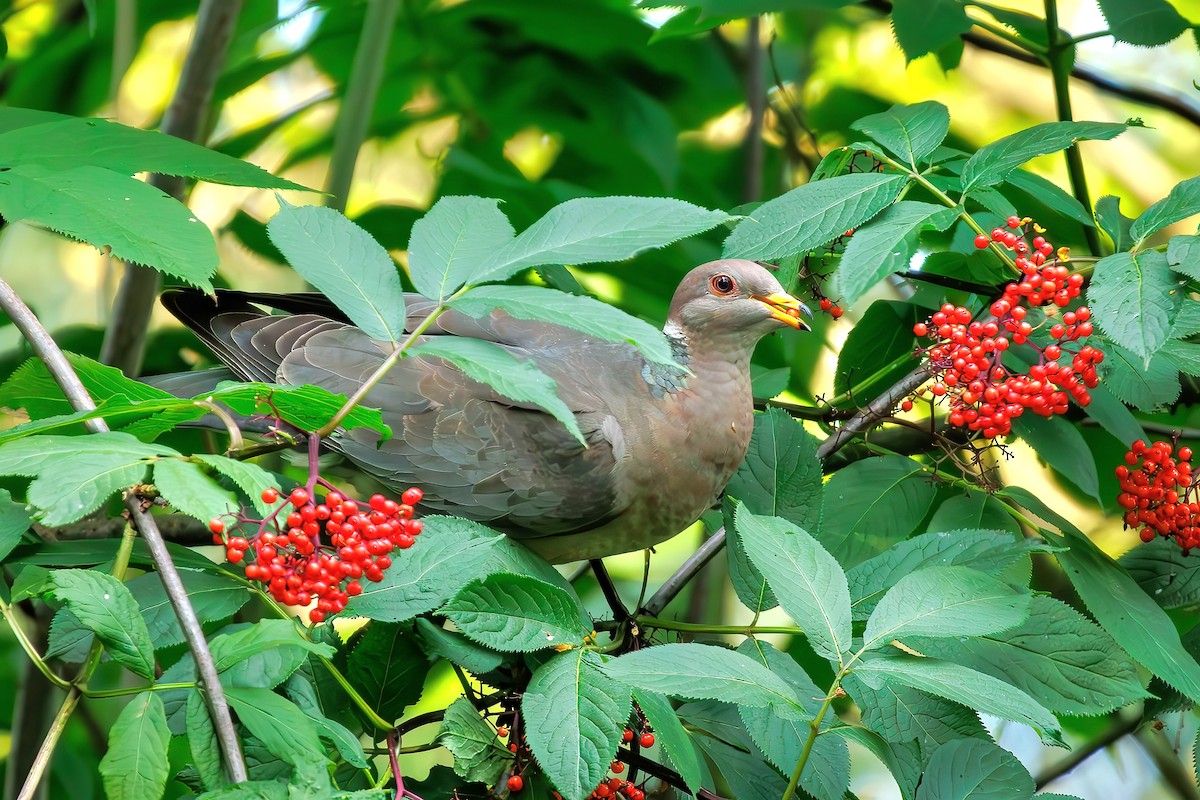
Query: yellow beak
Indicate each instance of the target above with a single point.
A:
(786, 309)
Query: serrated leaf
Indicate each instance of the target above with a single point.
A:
(1113, 415)
(1060, 444)
(135, 765)
(970, 769)
(584, 314)
(478, 754)
(748, 775)
(250, 478)
(285, 730)
(516, 379)
(1050, 195)
(1143, 22)
(945, 601)
(456, 648)
(973, 511)
(306, 407)
(345, 264)
(452, 242)
(1113, 223)
(213, 597)
(878, 351)
(103, 605)
(872, 504)
(517, 614)
(911, 132)
(812, 215)
(696, 671)
(186, 487)
(231, 649)
(202, 741)
(961, 685)
(902, 715)
(1164, 572)
(903, 761)
(925, 26)
(807, 581)
(885, 245)
(996, 161)
(14, 521)
(1182, 202)
(574, 713)
(1144, 388)
(1134, 297)
(671, 737)
(387, 668)
(301, 690)
(600, 229)
(452, 552)
(1187, 320)
(1183, 254)
(1064, 661)
(138, 222)
(1184, 356)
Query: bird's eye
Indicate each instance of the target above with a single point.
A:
(723, 285)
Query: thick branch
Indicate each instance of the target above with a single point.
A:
(187, 117)
(674, 584)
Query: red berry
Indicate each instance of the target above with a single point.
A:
(299, 496)
(216, 526)
(502, 731)
(411, 496)
(270, 495)
(646, 740)
(982, 241)
(825, 304)
(1014, 222)
(836, 312)
(906, 405)
(627, 736)
(516, 783)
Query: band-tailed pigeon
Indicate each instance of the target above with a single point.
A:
(662, 443)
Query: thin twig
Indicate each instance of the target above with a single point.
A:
(756, 102)
(878, 408)
(72, 388)
(620, 612)
(187, 118)
(1089, 749)
(674, 584)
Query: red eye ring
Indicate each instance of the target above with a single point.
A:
(723, 285)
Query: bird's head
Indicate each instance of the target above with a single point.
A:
(734, 298)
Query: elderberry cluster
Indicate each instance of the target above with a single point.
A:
(967, 357)
(1157, 493)
(614, 787)
(321, 550)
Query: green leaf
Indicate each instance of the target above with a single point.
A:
(517, 614)
(285, 730)
(32, 388)
(996, 161)
(1134, 298)
(1060, 658)
(186, 487)
(213, 597)
(911, 132)
(945, 601)
(135, 765)
(478, 754)
(1185, 356)
(231, 649)
(302, 690)
(456, 648)
(14, 521)
(697, 671)
(138, 222)
(514, 378)
(1060, 444)
(345, 264)
(451, 556)
(574, 714)
(925, 26)
(903, 761)
(1113, 415)
(250, 478)
(970, 769)
(901, 714)
(600, 229)
(452, 242)
(961, 685)
(584, 314)
(75, 142)
(885, 245)
(251, 790)
(671, 737)
(1050, 194)
(1143, 22)
(306, 407)
(103, 605)
(1183, 254)
(1164, 572)
(808, 582)
(987, 551)
(748, 775)
(878, 351)
(1144, 388)
(871, 504)
(202, 741)
(812, 215)
(1182, 202)
(973, 510)
(1114, 224)
(1129, 614)
(1187, 321)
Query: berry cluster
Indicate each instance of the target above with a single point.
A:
(1157, 493)
(613, 787)
(967, 358)
(321, 550)
(830, 308)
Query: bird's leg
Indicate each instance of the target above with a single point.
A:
(620, 612)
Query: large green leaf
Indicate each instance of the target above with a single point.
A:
(1183, 254)
(1143, 22)
(877, 352)
(135, 765)
(885, 245)
(807, 581)
(1144, 388)
(456, 648)
(232, 649)
(14, 521)
(945, 601)
(250, 478)
(1113, 415)
(452, 242)
(1164, 572)
(584, 314)
(285, 730)
(574, 714)
(1134, 297)
(186, 487)
(996, 161)
(1182, 202)
(478, 753)
(901, 714)
(871, 504)
(672, 738)
(903, 760)
(345, 263)
(517, 614)
(961, 685)
(812, 215)
(1063, 447)
(973, 510)
(926, 26)
(970, 769)
(104, 605)
(514, 378)
(911, 132)
(1063, 660)
(599, 229)
(213, 597)
(138, 222)
(202, 742)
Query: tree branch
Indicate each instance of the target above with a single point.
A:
(187, 118)
(880, 407)
(1089, 749)
(756, 102)
(64, 375)
(674, 584)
